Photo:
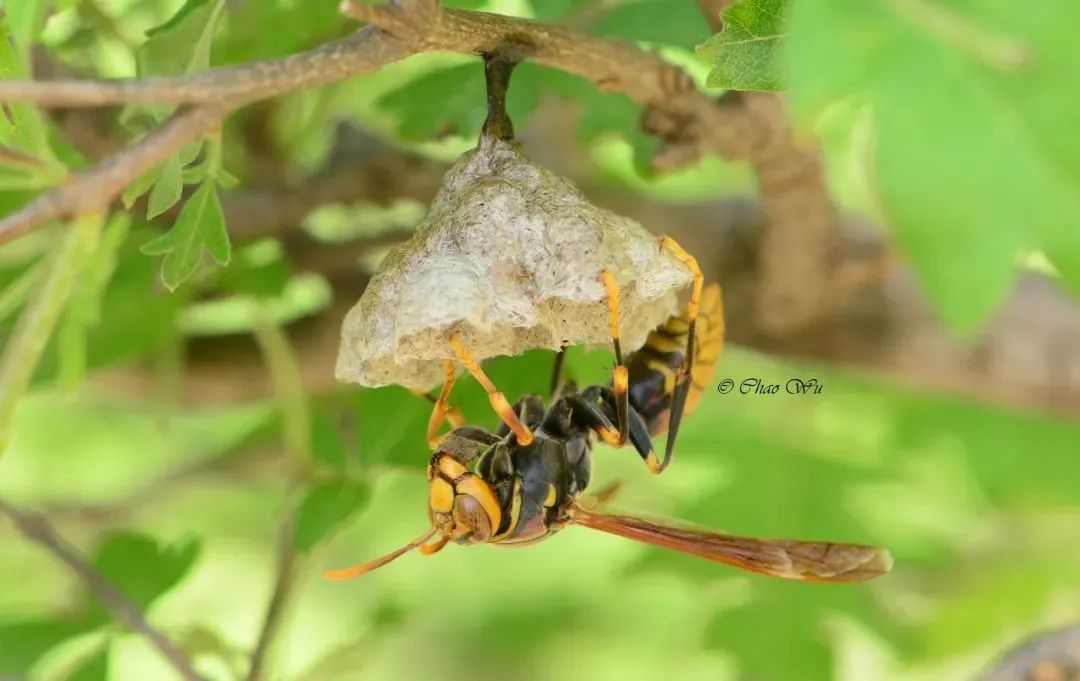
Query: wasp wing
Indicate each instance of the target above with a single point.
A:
(809, 561)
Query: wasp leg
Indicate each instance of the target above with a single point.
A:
(683, 383)
(621, 378)
(529, 410)
(556, 371)
(497, 399)
(589, 405)
(443, 410)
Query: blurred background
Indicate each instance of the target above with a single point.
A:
(195, 446)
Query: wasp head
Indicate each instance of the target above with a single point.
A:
(461, 504)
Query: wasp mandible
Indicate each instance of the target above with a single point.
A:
(525, 481)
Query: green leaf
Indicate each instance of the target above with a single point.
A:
(743, 54)
(326, 508)
(167, 188)
(201, 223)
(26, 18)
(84, 310)
(23, 643)
(181, 45)
(976, 154)
(94, 668)
(326, 442)
(142, 569)
(655, 21)
(140, 187)
(22, 126)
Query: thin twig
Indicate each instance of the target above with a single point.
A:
(38, 530)
(96, 188)
(288, 564)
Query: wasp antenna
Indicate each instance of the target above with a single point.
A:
(357, 570)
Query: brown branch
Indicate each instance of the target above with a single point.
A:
(614, 65)
(38, 530)
(366, 50)
(96, 188)
(802, 231)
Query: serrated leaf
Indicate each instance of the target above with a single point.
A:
(201, 223)
(326, 508)
(743, 54)
(976, 155)
(24, 642)
(94, 668)
(654, 21)
(167, 189)
(141, 568)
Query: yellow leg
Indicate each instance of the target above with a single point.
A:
(498, 400)
(620, 381)
(683, 381)
(442, 409)
(667, 243)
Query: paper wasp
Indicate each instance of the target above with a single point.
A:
(524, 482)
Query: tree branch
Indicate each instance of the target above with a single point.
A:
(95, 189)
(802, 231)
(613, 65)
(39, 531)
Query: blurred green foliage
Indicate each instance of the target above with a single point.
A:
(968, 157)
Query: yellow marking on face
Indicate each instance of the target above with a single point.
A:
(440, 496)
(478, 489)
(515, 513)
(451, 467)
(552, 494)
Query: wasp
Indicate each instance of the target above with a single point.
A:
(525, 481)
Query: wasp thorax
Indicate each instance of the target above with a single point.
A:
(507, 260)
(461, 504)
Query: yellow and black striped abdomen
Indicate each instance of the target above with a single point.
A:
(655, 366)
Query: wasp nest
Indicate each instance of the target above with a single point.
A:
(508, 260)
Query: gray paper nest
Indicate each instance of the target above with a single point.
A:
(508, 258)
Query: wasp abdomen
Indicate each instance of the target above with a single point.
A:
(654, 368)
